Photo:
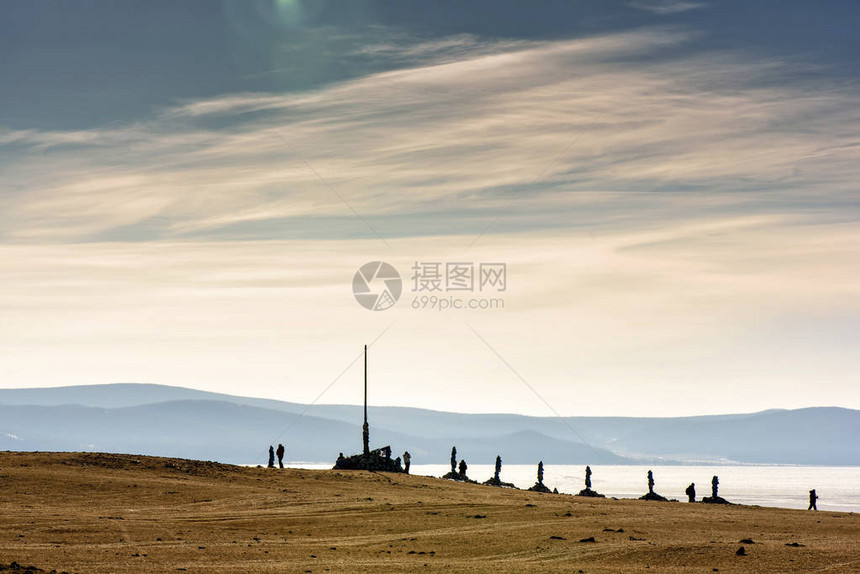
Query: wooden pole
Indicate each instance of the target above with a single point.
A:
(365, 428)
(365, 384)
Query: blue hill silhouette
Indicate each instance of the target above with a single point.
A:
(176, 421)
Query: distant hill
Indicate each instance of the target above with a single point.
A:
(180, 422)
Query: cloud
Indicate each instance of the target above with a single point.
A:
(681, 221)
(666, 6)
(685, 306)
(456, 141)
(405, 49)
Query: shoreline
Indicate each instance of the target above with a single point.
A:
(92, 512)
(568, 480)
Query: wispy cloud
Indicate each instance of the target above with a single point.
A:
(685, 222)
(458, 137)
(666, 6)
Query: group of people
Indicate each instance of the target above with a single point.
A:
(404, 463)
(279, 452)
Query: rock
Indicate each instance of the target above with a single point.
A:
(591, 493)
(15, 567)
(495, 482)
(540, 487)
(458, 477)
(654, 496)
(741, 551)
(375, 460)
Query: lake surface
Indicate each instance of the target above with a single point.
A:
(781, 486)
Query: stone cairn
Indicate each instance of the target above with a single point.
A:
(715, 498)
(378, 460)
(458, 472)
(539, 486)
(496, 481)
(651, 494)
(587, 490)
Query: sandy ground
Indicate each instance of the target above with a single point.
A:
(119, 513)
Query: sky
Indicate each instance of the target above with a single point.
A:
(187, 191)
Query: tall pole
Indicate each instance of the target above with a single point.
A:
(366, 428)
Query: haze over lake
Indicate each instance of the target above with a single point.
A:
(778, 486)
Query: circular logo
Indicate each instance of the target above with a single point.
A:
(377, 286)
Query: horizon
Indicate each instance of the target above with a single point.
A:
(645, 208)
(409, 407)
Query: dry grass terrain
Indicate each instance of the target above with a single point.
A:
(119, 513)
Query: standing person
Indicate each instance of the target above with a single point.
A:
(407, 458)
(463, 468)
(271, 457)
(691, 492)
(812, 498)
(280, 452)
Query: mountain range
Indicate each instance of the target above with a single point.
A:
(181, 422)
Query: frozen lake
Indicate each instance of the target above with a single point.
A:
(781, 486)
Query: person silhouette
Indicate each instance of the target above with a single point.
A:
(691, 492)
(407, 460)
(463, 468)
(812, 498)
(280, 453)
(715, 483)
(271, 457)
(587, 477)
(650, 482)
